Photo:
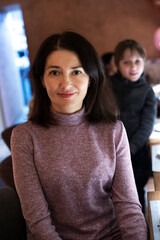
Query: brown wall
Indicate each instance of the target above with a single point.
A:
(103, 22)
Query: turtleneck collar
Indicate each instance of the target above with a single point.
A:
(69, 119)
(127, 82)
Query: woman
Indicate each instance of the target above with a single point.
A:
(71, 160)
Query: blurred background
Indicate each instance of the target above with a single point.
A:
(24, 24)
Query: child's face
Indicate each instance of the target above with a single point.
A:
(131, 66)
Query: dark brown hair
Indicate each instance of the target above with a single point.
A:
(99, 102)
(107, 57)
(128, 44)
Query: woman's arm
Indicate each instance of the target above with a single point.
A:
(28, 186)
(124, 194)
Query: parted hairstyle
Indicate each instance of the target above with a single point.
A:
(100, 104)
(128, 44)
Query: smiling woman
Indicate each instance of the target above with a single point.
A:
(65, 81)
(73, 153)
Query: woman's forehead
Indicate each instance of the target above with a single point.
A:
(61, 57)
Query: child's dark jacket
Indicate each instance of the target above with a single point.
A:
(138, 106)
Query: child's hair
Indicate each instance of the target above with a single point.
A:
(128, 44)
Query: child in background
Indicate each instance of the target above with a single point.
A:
(109, 63)
(137, 104)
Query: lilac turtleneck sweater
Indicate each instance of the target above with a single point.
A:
(75, 180)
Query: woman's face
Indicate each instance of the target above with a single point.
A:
(131, 65)
(65, 81)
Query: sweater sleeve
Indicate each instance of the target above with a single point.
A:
(124, 194)
(140, 137)
(33, 202)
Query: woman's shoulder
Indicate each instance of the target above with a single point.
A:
(112, 132)
(118, 124)
(20, 131)
(113, 128)
(24, 133)
(118, 132)
(27, 127)
(118, 127)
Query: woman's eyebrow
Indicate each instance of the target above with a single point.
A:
(77, 67)
(53, 67)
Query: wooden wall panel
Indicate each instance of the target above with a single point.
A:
(103, 22)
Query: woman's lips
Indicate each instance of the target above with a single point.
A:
(66, 95)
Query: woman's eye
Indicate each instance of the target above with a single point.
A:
(55, 73)
(77, 72)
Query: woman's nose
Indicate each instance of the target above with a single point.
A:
(65, 81)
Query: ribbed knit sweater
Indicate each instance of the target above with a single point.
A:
(75, 180)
